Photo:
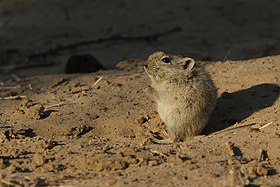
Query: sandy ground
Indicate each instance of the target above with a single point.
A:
(94, 129)
(91, 130)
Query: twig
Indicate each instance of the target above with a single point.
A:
(266, 125)
(55, 105)
(230, 129)
(13, 97)
(80, 90)
(159, 153)
(233, 150)
(98, 80)
(229, 148)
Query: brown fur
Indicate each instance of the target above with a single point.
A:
(184, 92)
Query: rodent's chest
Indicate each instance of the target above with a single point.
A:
(176, 97)
(172, 93)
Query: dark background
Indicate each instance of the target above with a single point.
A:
(37, 37)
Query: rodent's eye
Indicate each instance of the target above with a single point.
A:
(166, 60)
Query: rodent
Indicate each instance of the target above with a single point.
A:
(184, 92)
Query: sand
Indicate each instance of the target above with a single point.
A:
(94, 129)
(71, 129)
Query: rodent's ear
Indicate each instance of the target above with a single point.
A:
(188, 63)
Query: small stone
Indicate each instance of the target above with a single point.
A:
(111, 182)
(38, 159)
(232, 150)
(142, 120)
(49, 167)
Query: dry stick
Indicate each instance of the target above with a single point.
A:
(116, 37)
(55, 105)
(159, 153)
(81, 90)
(227, 129)
(266, 125)
(13, 97)
(98, 80)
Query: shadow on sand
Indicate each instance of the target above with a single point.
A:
(235, 107)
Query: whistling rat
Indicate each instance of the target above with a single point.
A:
(184, 93)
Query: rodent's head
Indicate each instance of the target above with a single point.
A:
(162, 66)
